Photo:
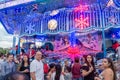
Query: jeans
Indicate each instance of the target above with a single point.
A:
(77, 78)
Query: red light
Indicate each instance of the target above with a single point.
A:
(73, 50)
(81, 8)
(82, 23)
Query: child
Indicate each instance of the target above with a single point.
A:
(67, 73)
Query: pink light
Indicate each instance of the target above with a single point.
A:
(113, 36)
(81, 8)
(82, 23)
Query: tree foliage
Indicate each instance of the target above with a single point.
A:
(4, 51)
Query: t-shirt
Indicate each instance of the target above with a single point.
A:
(37, 67)
(68, 76)
(53, 76)
(76, 70)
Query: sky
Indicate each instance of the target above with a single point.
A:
(6, 39)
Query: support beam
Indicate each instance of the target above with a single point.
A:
(103, 34)
(19, 49)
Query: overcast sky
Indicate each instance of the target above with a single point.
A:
(5, 38)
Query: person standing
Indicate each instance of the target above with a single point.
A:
(76, 67)
(9, 65)
(88, 69)
(45, 67)
(1, 66)
(66, 64)
(36, 67)
(109, 71)
(24, 66)
(67, 73)
(51, 71)
(57, 75)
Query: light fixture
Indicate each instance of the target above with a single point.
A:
(52, 24)
(54, 12)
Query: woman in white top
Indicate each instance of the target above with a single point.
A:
(51, 71)
(57, 75)
(108, 72)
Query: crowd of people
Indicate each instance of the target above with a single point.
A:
(13, 68)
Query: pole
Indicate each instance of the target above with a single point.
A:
(13, 45)
(14, 41)
(103, 32)
(104, 44)
(18, 45)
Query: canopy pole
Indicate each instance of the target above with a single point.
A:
(18, 45)
(104, 44)
(14, 41)
(103, 33)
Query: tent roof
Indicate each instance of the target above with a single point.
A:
(49, 4)
(14, 11)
